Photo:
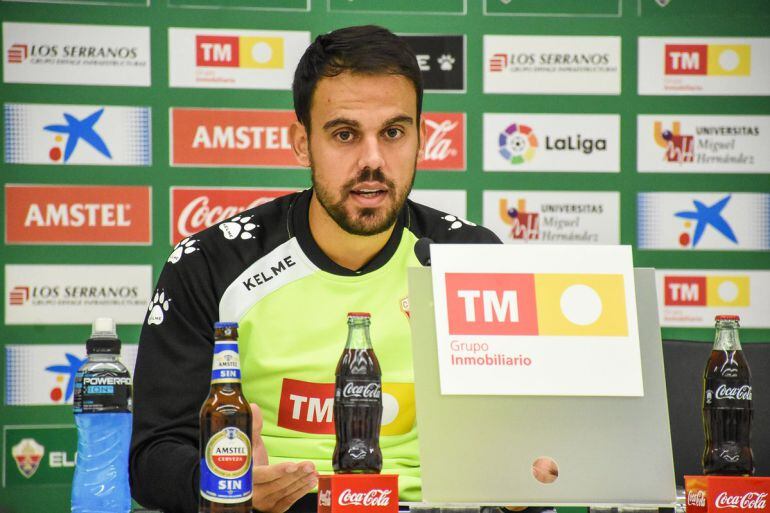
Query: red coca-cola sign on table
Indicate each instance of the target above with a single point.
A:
(727, 494)
(196, 208)
(358, 493)
(444, 142)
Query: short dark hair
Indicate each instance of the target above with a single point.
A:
(366, 49)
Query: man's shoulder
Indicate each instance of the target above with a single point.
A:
(444, 227)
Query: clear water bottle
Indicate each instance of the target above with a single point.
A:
(102, 405)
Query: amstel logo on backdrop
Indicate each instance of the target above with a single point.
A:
(196, 208)
(44, 374)
(38, 455)
(234, 59)
(308, 407)
(239, 52)
(77, 214)
(536, 304)
(445, 142)
(683, 59)
(77, 134)
(703, 221)
(225, 137)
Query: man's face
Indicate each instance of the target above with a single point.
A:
(363, 148)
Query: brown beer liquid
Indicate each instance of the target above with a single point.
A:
(225, 418)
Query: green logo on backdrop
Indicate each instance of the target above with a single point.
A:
(39, 455)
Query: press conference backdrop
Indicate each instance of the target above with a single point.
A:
(131, 124)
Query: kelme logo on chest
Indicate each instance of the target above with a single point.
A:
(269, 272)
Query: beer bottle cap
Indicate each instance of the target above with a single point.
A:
(727, 318)
(359, 314)
(225, 325)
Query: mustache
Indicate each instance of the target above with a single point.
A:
(369, 175)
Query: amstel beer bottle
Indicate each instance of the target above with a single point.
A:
(225, 423)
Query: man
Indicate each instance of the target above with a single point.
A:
(288, 272)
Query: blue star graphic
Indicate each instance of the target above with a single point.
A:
(77, 129)
(74, 364)
(709, 216)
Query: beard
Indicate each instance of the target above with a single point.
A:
(362, 221)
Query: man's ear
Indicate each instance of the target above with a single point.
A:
(423, 135)
(300, 143)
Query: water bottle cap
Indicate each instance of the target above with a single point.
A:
(104, 337)
(104, 327)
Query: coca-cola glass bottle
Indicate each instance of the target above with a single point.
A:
(358, 403)
(727, 405)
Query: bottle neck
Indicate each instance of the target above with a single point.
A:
(358, 334)
(103, 357)
(226, 364)
(727, 337)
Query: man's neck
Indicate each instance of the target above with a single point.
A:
(345, 249)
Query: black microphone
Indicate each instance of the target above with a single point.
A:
(422, 250)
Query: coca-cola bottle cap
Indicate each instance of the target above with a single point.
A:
(727, 318)
(359, 314)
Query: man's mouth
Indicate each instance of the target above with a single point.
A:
(369, 191)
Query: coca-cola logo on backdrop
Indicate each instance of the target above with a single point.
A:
(749, 500)
(696, 498)
(444, 142)
(194, 209)
(374, 497)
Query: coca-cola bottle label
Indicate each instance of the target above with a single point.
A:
(352, 390)
(226, 467)
(727, 394)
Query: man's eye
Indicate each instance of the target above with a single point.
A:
(393, 133)
(344, 135)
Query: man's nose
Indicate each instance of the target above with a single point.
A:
(371, 153)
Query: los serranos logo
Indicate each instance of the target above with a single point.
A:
(375, 497)
(749, 500)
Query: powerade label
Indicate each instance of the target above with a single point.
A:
(226, 367)
(102, 392)
(226, 467)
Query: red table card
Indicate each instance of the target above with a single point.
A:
(358, 493)
(723, 494)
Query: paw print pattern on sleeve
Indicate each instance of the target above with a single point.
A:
(238, 227)
(456, 222)
(185, 247)
(157, 308)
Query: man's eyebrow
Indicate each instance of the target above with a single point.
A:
(340, 121)
(399, 119)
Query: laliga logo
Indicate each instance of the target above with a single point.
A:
(370, 391)
(696, 498)
(739, 393)
(374, 497)
(749, 500)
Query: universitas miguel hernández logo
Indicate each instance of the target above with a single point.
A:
(517, 143)
(525, 225)
(679, 148)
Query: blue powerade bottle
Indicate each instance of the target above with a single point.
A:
(102, 405)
